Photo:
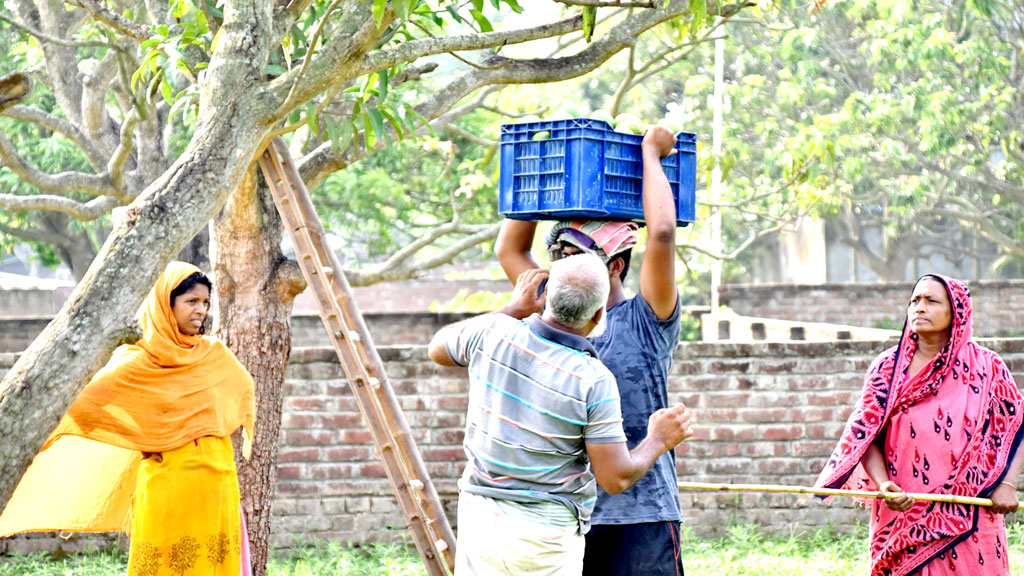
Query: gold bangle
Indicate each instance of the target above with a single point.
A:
(1010, 484)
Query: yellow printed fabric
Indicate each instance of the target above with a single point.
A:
(186, 515)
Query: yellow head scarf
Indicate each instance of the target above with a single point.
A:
(156, 395)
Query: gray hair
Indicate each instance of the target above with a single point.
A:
(577, 288)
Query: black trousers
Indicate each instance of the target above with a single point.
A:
(649, 549)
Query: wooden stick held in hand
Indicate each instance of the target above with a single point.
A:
(949, 498)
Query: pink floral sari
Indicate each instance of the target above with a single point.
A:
(952, 428)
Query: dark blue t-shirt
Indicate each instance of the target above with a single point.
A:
(637, 348)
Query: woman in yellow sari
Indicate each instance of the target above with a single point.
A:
(146, 447)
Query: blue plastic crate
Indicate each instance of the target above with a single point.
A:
(586, 170)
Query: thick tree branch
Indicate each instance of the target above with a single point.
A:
(115, 167)
(432, 235)
(414, 49)
(60, 41)
(63, 183)
(37, 235)
(337, 62)
(116, 21)
(983, 226)
(289, 101)
(383, 274)
(611, 3)
(81, 211)
(466, 134)
(682, 248)
(1014, 193)
(96, 87)
(61, 126)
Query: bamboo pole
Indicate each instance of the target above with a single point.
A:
(948, 498)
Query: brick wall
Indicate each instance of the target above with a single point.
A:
(998, 304)
(766, 413)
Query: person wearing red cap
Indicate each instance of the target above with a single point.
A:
(635, 531)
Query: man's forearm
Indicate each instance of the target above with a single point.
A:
(643, 457)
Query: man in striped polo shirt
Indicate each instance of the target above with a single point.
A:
(544, 426)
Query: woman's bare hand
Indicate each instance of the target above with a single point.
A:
(895, 497)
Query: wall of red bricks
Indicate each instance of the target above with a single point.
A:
(998, 304)
(767, 413)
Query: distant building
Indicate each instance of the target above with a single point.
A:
(815, 254)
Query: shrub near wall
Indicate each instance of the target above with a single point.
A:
(765, 413)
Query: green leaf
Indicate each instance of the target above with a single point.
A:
(348, 132)
(395, 123)
(699, 10)
(413, 112)
(365, 85)
(180, 9)
(382, 83)
(379, 6)
(478, 5)
(589, 21)
(455, 13)
(166, 91)
(274, 69)
(188, 35)
(515, 6)
(333, 133)
(481, 20)
(147, 62)
(178, 105)
(407, 119)
(377, 119)
(368, 135)
(311, 118)
(402, 8)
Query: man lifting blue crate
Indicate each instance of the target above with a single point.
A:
(597, 183)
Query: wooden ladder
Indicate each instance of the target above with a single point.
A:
(362, 365)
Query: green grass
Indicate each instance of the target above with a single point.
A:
(744, 551)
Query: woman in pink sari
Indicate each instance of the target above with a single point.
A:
(938, 414)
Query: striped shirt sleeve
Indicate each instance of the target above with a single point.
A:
(462, 343)
(604, 414)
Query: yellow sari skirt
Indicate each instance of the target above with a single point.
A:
(186, 519)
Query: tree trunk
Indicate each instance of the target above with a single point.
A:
(255, 287)
(197, 253)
